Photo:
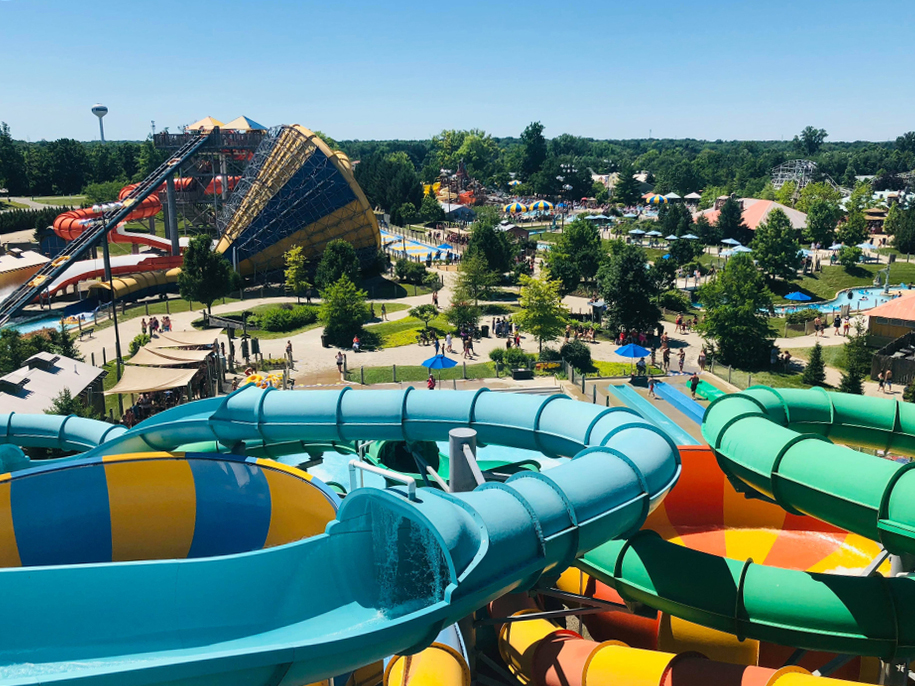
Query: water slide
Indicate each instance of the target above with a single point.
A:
(392, 569)
(631, 398)
(680, 401)
(776, 443)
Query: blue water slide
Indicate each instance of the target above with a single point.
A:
(390, 572)
(680, 401)
(630, 397)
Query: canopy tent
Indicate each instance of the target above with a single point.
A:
(243, 124)
(151, 379)
(178, 339)
(168, 357)
(693, 196)
(205, 124)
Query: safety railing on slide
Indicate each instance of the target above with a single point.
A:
(23, 295)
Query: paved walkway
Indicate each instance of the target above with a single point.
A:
(31, 204)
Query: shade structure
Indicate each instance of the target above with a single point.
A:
(653, 233)
(632, 350)
(440, 361)
(836, 246)
(168, 357)
(657, 200)
(541, 205)
(295, 191)
(797, 296)
(243, 124)
(742, 248)
(671, 237)
(866, 246)
(636, 232)
(730, 241)
(690, 237)
(515, 207)
(205, 124)
(180, 339)
(601, 216)
(514, 182)
(151, 379)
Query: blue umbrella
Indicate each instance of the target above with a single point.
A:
(798, 296)
(632, 351)
(439, 362)
(730, 241)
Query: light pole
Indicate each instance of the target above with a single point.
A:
(106, 258)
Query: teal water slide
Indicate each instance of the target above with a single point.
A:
(630, 397)
(780, 443)
(391, 571)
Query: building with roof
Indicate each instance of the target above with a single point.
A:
(33, 388)
(894, 318)
(17, 266)
(457, 212)
(754, 212)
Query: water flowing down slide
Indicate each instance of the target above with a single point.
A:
(255, 603)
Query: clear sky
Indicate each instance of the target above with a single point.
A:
(760, 69)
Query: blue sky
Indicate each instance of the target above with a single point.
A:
(358, 69)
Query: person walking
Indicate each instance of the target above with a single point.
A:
(888, 380)
(693, 384)
(435, 343)
(836, 323)
(289, 354)
(665, 358)
(817, 325)
(880, 382)
(384, 312)
(651, 385)
(339, 361)
(143, 325)
(448, 340)
(681, 358)
(702, 359)
(430, 382)
(845, 324)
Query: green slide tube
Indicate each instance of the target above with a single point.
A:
(778, 442)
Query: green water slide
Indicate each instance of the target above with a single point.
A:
(779, 443)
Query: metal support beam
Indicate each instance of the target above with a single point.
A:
(551, 614)
(172, 212)
(581, 599)
(463, 472)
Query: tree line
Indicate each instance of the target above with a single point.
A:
(66, 166)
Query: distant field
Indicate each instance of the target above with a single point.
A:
(71, 200)
(10, 205)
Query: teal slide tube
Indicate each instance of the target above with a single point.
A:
(386, 577)
(776, 441)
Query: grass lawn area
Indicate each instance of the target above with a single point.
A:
(826, 284)
(404, 331)
(373, 375)
(743, 379)
(833, 355)
(620, 368)
(381, 288)
(10, 205)
(71, 200)
(158, 308)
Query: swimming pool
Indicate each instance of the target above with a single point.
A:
(861, 299)
(32, 325)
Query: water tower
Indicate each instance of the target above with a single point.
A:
(100, 111)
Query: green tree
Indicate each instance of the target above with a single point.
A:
(561, 267)
(857, 360)
(730, 221)
(69, 165)
(785, 194)
(817, 191)
(542, 314)
(904, 230)
(105, 191)
(495, 247)
(775, 246)
(708, 233)
(815, 371)
(206, 275)
(424, 313)
(810, 140)
(338, 260)
(663, 274)
(684, 251)
(433, 282)
(475, 279)
(822, 218)
(296, 271)
(66, 404)
(431, 211)
(908, 394)
(533, 149)
(854, 230)
(628, 290)
(12, 164)
(736, 303)
(343, 311)
(893, 217)
(579, 243)
(463, 314)
(849, 257)
(906, 142)
(626, 190)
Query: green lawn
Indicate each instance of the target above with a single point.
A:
(620, 368)
(10, 205)
(404, 331)
(743, 379)
(833, 355)
(381, 288)
(373, 375)
(70, 200)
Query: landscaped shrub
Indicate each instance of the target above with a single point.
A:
(410, 272)
(808, 314)
(674, 300)
(138, 342)
(577, 354)
(550, 355)
(283, 319)
(516, 358)
(497, 355)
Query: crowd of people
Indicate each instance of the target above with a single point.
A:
(154, 326)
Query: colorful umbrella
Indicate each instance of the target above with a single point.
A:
(514, 207)
(671, 237)
(657, 200)
(690, 237)
(439, 362)
(730, 241)
(541, 205)
(798, 296)
(514, 182)
(633, 351)
(653, 233)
